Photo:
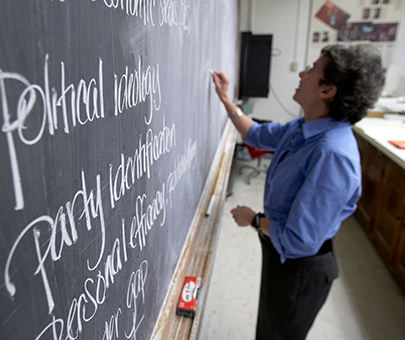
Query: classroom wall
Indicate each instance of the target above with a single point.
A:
(398, 60)
(399, 52)
(289, 22)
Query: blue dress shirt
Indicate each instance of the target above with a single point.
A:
(313, 182)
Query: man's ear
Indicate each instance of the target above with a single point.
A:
(328, 91)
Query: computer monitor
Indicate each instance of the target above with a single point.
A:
(255, 58)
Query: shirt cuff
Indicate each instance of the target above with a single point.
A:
(251, 136)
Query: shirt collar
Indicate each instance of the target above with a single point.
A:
(317, 126)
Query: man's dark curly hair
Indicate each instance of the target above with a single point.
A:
(358, 74)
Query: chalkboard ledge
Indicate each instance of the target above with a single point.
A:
(198, 252)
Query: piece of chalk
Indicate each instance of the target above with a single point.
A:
(211, 205)
(211, 71)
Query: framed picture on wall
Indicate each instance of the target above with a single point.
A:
(332, 15)
(353, 21)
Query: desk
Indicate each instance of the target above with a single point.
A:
(381, 208)
(378, 131)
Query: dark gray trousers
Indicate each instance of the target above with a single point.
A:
(292, 293)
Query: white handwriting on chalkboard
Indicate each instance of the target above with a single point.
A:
(138, 8)
(138, 87)
(171, 12)
(94, 295)
(183, 164)
(146, 216)
(136, 286)
(84, 204)
(133, 167)
(111, 329)
(175, 13)
(77, 104)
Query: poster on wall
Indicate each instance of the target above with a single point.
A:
(332, 15)
(354, 21)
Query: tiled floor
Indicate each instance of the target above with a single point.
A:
(364, 304)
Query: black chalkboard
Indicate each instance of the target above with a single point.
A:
(109, 126)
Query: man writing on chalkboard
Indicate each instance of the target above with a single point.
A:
(313, 184)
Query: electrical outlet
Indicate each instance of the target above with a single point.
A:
(294, 66)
